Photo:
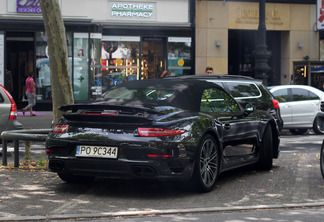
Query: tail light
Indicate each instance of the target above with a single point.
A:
(60, 128)
(13, 108)
(155, 155)
(155, 132)
(275, 103)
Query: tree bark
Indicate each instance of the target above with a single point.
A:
(62, 93)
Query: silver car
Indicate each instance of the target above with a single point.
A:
(8, 112)
(299, 106)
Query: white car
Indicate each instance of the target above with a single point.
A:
(8, 112)
(299, 106)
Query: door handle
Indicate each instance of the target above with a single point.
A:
(227, 126)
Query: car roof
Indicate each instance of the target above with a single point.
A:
(218, 77)
(310, 88)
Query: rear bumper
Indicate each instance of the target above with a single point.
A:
(161, 169)
(132, 160)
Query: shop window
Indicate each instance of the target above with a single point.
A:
(322, 50)
(42, 74)
(179, 59)
(120, 60)
(96, 80)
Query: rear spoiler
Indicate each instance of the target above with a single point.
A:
(93, 107)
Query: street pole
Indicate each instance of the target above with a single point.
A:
(261, 54)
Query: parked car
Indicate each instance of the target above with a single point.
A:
(299, 106)
(161, 129)
(8, 112)
(246, 90)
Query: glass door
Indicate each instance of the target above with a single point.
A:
(153, 57)
(81, 66)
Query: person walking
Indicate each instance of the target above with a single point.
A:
(30, 94)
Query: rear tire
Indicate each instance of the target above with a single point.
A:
(207, 164)
(298, 131)
(318, 126)
(266, 150)
(70, 178)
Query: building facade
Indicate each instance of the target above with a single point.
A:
(226, 35)
(108, 42)
(112, 41)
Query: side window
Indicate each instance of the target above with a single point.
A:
(281, 95)
(243, 90)
(217, 100)
(313, 96)
(301, 95)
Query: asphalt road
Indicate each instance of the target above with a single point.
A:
(294, 181)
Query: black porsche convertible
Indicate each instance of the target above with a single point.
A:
(165, 129)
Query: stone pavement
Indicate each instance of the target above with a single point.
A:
(294, 181)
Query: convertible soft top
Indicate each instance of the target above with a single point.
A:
(187, 91)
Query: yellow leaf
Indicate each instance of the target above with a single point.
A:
(36, 182)
(241, 181)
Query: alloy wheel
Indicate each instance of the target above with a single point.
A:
(209, 162)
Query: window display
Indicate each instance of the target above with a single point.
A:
(179, 59)
(119, 59)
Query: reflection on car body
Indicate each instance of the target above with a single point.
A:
(166, 129)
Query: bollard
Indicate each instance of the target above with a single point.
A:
(4, 152)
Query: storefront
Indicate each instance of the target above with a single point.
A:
(119, 41)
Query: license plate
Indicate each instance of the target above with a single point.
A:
(96, 151)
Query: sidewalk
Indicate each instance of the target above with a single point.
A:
(42, 120)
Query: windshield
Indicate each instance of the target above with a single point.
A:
(139, 94)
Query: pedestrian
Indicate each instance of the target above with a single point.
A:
(209, 70)
(30, 94)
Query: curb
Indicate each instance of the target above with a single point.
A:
(162, 212)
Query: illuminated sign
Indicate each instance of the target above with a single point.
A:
(28, 6)
(132, 10)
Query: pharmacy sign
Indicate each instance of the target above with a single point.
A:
(132, 10)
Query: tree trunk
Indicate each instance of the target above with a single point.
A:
(62, 93)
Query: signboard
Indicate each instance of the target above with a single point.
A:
(132, 10)
(245, 15)
(28, 6)
(320, 15)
